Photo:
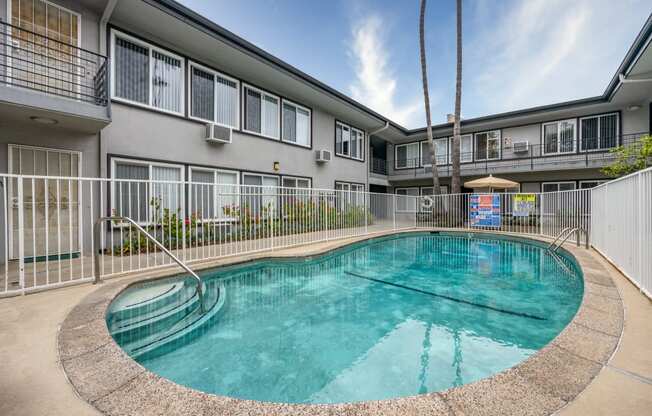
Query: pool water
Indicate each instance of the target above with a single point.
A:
(390, 317)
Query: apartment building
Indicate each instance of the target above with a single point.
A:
(150, 90)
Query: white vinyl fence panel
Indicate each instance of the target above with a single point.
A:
(622, 226)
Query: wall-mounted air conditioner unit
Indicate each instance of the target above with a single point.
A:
(323, 155)
(218, 134)
(521, 147)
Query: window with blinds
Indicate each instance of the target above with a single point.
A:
(146, 189)
(599, 132)
(214, 97)
(146, 75)
(261, 112)
(296, 124)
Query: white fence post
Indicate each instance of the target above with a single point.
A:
(21, 234)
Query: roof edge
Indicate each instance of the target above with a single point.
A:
(193, 17)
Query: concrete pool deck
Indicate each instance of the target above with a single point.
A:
(32, 381)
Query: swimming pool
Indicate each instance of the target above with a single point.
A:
(389, 317)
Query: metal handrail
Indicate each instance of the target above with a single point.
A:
(560, 235)
(575, 230)
(97, 279)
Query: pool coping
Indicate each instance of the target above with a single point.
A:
(102, 374)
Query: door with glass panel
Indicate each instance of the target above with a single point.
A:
(44, 54)
(50, 207)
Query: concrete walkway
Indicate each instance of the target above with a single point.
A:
(33, 383)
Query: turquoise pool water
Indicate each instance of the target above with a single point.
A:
(389, 317)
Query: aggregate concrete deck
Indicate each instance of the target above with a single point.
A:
(103, 375)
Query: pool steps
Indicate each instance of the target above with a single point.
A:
(139, 329)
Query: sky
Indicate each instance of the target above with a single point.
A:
(516, 53)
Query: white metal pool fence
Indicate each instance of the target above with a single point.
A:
(48, 240)
(622, 225)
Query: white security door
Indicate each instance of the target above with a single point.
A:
(51, 207)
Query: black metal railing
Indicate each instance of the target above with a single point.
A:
(38, 62)
(378, 166)
(540, 156)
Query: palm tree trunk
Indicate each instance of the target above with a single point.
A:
(436, 190)
(455, 154)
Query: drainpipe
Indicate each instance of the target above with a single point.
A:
(373, 133)
(106, 15)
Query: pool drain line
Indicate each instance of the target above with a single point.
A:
(425, 292)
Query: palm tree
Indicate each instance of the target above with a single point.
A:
(436, 190)
(455, 154)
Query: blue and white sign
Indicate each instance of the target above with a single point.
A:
(484, 210)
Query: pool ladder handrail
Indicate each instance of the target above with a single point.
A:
(97, 279)
(565, 234)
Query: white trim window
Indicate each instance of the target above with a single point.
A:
(591, 183)
(599, 132)
(349, 141)
(261, 112)
(260, 193)
(406, 155)
(559, 136)
(466, 148)
(427, 190)
(296, 124)
(213, 193)
(441, 150)
(146, 75)
(143, 190)
(557, 186)
(295, 188)
(406, 200)
(487, 145)
(296, 182)
(213, 97)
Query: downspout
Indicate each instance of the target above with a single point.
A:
(373, 133)
(101, 47)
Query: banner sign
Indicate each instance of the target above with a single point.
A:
(524, 205)
(484, 210)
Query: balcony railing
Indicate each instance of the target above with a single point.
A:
(539, 156)
(37, 62)
(378, 166)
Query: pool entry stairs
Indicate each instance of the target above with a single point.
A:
(152, 320)
(170, 310)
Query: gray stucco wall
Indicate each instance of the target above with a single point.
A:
(140, 133)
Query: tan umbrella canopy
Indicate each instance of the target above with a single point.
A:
(491, 182)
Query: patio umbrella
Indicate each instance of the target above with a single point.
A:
(491, 182)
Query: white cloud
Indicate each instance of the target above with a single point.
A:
(375, 83)
(544, 51)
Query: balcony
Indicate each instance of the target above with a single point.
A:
(535, 158)
(41, 77)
